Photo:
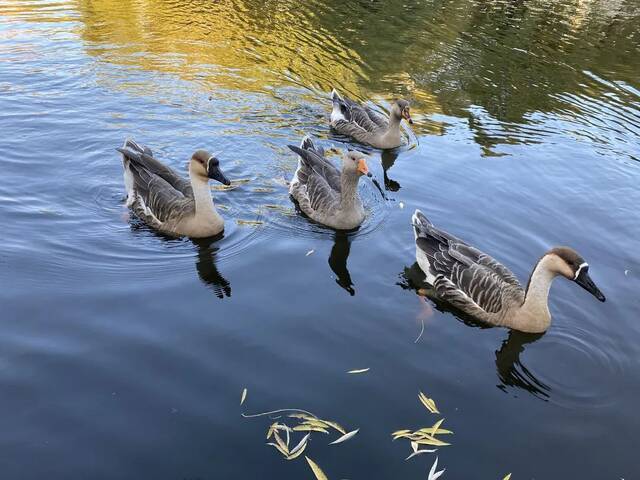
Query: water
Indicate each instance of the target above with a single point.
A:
(123, 353)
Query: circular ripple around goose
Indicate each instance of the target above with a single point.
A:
(577, 374)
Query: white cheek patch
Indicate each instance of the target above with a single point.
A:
(585, 264)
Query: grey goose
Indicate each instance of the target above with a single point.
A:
(366, 125)
(166, 201)
(325, 194)
(481, 287)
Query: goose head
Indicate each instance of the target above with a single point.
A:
(205, 165)
(400, 109)
(567, 262)
(354, 162)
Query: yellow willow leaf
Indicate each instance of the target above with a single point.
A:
(432, 432)
(281, 443)
(316, 422)
(335, 425)
(272, 429)
(310, 428)
(317, 471)
(431, 441)
(244, 396)
(507, 477)
(428, 402)
(362, 370)
(400, 432)
(303, 416)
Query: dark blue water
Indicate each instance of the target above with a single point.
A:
(124, 353)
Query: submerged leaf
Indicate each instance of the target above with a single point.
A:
(283, 452)
(239, 221)
(244, 396)
(345, 437)
(362, 370)
(433, 475)
(317, 471)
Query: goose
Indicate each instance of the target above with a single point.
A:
(166, 201)
(367, 126)
(480, 286)
(324, 193)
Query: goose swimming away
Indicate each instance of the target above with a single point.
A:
(324, 193)
(366, 125)
(478, 285)
(166, 201)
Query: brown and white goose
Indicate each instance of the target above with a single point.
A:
(324, 193)
(478, 285)
(166, 201)
(367, 126)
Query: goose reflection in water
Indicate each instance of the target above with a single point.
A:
(388, 158)
(509, 368)
(207, 269)
(338, 261)
(205, 261)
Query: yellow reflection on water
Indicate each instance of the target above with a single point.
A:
(227, 43)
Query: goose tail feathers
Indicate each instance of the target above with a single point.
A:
(307, 143)
(420, 223)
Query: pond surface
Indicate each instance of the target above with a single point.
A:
(124, 353)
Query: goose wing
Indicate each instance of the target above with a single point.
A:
(158, 201)
(377, 118)
(319, 178)
(143, 156)
(323, 166)
(464, 276)
(355, 115)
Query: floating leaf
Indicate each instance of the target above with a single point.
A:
(309, 252)
(400, 433)
(433, 475)
(281, 443)
(428, 402)
(251, 223)
(401, 205)
(302, 415)
(362, 370)
(345, 437)
(507, 477)
(419, 452)
(310, 428)
(272, 429)
(334, 425)
(317, 471)
(299, 448)
(244, 396)
(428, 440)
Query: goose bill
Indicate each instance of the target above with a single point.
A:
(407, 116)
(584, 280)
(214, 172)
(363, 168)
